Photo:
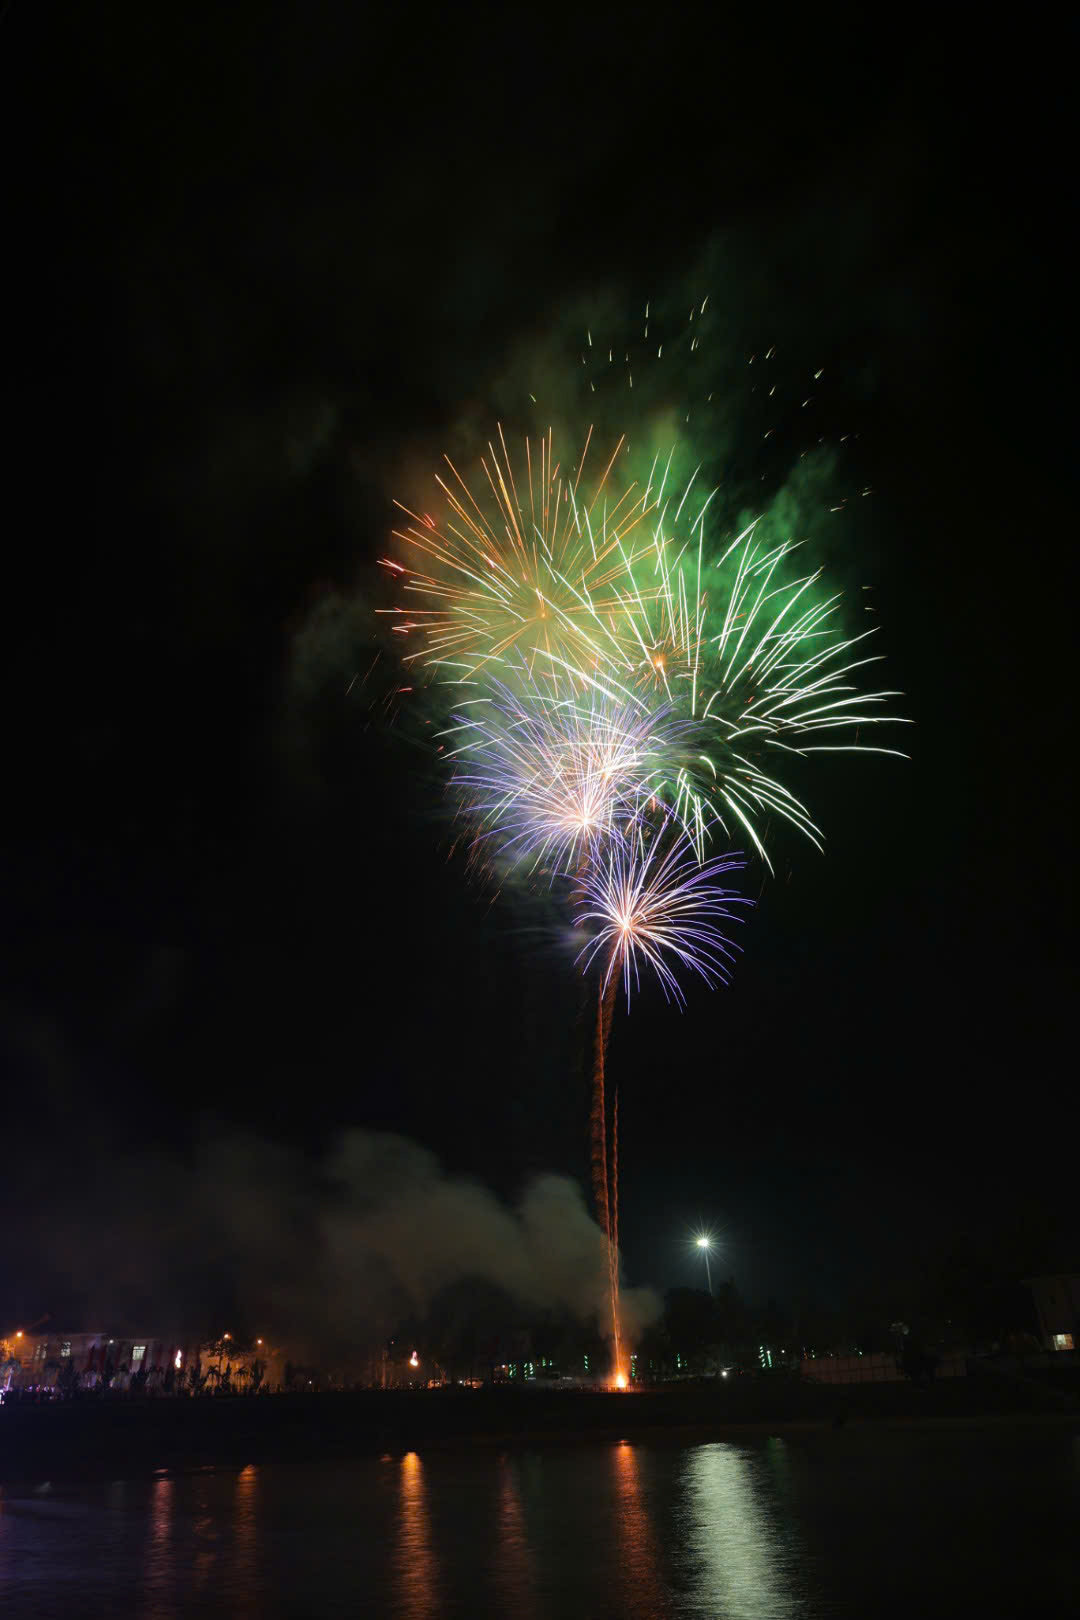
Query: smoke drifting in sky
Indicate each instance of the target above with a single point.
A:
(337, 1250)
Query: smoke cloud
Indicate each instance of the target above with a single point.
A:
(335, 1251)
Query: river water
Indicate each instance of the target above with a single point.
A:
(867, 1522)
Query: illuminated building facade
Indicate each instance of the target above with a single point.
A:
(1057, 1305)
(85, 1361)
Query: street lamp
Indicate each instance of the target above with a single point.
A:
(704, 1243)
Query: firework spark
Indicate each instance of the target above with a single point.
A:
(648, 902)
(504, 572)
(768, 673)
(778, 680)
(550, 775)
(614, 594)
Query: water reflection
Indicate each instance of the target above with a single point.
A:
(157, 1565)
(204, 1531)
(643, 1592)
(245, 1515)
(863, 1526)
(416, 1565)
(740, 1563)
(515, 1572)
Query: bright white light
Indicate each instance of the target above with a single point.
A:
(703, 1242)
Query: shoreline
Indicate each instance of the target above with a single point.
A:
(80, 1439)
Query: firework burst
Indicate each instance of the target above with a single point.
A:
(532, 572)
(612, 593)
(766, 673)
(549, 777)
(776, 679)
(648, 902)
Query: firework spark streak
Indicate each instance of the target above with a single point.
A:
(613, 593)
(496, 575)
(776, 680)
(648, 903)
(551, 776)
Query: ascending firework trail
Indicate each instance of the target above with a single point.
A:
(605, 1187)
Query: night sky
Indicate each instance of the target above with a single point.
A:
(257, 273)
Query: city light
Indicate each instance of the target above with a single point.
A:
(703, 1241)
(178, 1360)
(414, 1360)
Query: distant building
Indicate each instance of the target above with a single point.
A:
(33, 1361)
(1057, 1306)
(80, 1360)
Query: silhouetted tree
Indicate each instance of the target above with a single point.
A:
(693, 1325)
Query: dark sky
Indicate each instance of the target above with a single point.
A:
(251, 265)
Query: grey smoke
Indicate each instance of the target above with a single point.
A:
(401, 1213)
(336, 1249)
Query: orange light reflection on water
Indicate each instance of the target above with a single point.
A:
(246, 1541)
(643, 1589)
(417, 1567)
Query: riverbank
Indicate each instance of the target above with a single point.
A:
(124, 1436)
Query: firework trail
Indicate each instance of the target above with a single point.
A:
(645, 905)
(605, 1188)
(613, 1245)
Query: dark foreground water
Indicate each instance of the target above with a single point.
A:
(864, 1522)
